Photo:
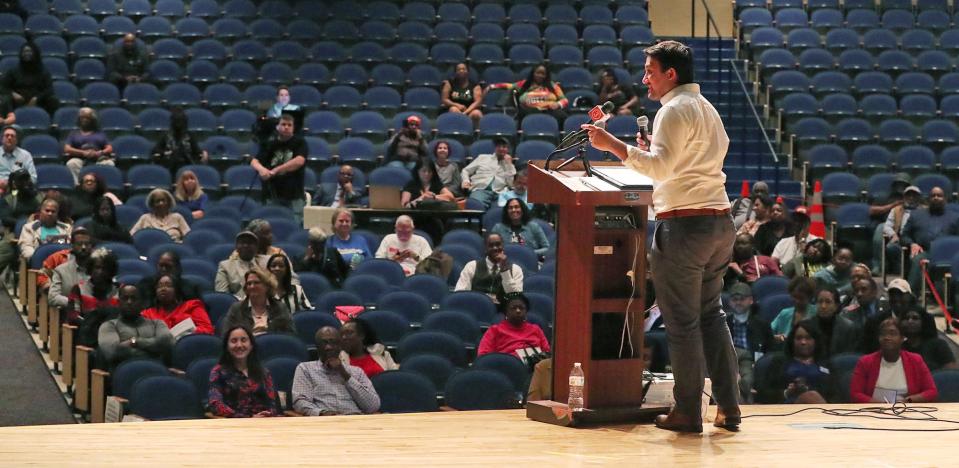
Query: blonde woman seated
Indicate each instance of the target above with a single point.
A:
(260, 312)
(161, 216)
(189, 192)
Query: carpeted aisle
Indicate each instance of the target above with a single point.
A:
(28, 393)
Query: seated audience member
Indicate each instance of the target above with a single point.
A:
(66, 276)
(408, 145)
(362, 348)
(838, 273)
(803, 292)
(7, 115)
(837, 333)
(924, 226)
(168, 263)
(901, 299)
(771, 232)
(321, 257)
(742, 208)
(88, 193)
(922, 337)
(328, 386)
(761, 209)
(131, 336)
(814, 256)
(99, 291)
(259, 311)
(266, 123)
(747, 266)
(516, 226)
(128, 63)
(892, 374)
(799, 376)
(182, 316)
(28, 83)
(518, 191)
(353, 249)
(20, 202)
(230, 273)
(14, 158)
(751, 335)
(792, 246)
(538, 93)
(280, 164)
(403, 246)
(489, 174)
(87, 145)
(426, 190)
(178, 147)
(865, 303)
(494, 275)
(461, 95)
(448, 170)
(286, 292)
(340, 193)
(515, 332)
(104, 226)
(621, 95)
(240, 387)
(893, 228)
(45, 230)
(263, 231)
(161, 216)
(189, 193)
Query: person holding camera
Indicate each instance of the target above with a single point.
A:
(280, 166)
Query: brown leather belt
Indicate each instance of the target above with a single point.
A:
(691, 212)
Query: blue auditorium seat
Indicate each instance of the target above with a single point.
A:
(840, 39)
(209, 49)
(202, 72)
(424, 100)
(229, 30)
(416, 32)
(456, 12)
(358, 152)
(524, 33)
(170, 8)
(171, 49)
(378, 31)
(489, 33)
(861, 19)
(342, 98)
(418, 11)
(250, 50)
(878, 39)
(425, 75)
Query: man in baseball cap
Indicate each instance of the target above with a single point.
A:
(751, 334)
(230, 272)
(893, 227)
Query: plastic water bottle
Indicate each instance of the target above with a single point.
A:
(577, 379)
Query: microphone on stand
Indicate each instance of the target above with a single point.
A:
(598, 116)
(643, 123)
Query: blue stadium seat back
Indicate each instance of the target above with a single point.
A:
(368, 124)
(308, 322)
(841, 39)
(191, 29)
(497, 125)
(170, 8)
(604, 56)
(303, 30)
(509, 365)
(425, 75)
(523, 256)
(315, 286)
(898, 20)
(205, 9)
(358, 152)
(87, 70)
(828, 82)
(115, 120)
(540, 127)
(387, 75)
(54, 176)
(266, 30)
(935, 20)
(141, 95)
(278, 344)
(51, 46)
(489, 33)
(861, 18)
(465, 237)
(199, 375)
(390, 327)
(479, 54)
(114, 27)
(770, 306)
(243, 9)
(477, 304)
(431, 288)
(777, 59)
(250, 50)
(79, 25)
(165, 72)
(202, 72)
(199, 239)
(560, 14)
(853, 131)
(210, 49)
(42, 23)
(385, 101)
(431, 342)
(127, 373)
(462, 253)
(369, 288)
(147, 239)
(557, 34)
(457, 12)
(947, 383)
(480, 390)
(456, 323)
(388, 270)
(539, 283)
(218, 253)
(160, 398)
(767, 286)
(146, 177)
(342, 97)
(44, 251)
(275, 9)
(542, 305)
(816, 59)
(766, 38)
(44, 148)
(101, 94)
(57, 67)
(329, 300)
(939, 132)
(318, 153)
(853, 216)
(915, 82)
(282, 370)
(407, 54)
(327, 124)
(32, 119)
(192, 347)
(196, 265)
(405, 392)
(328, 52)
(418, 11)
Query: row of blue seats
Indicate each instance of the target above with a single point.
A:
(874, 107)
(864, 83)
(788, 18)
(890, 62)
(838, 40)
(814, 5)
(871, 159)
(844, 187)
(851, 132)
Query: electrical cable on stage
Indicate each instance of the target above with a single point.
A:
(896, 412)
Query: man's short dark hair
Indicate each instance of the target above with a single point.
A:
(675, 55)
(500, 141)
(288, 118)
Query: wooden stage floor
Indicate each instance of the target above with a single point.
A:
(482, 438)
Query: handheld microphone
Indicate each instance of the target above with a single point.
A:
(643, 123)
(598, 116)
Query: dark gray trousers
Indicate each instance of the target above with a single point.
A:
(688, 260)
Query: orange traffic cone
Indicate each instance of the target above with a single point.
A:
(817, 226)
(744, 192)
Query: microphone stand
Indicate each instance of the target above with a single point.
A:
(580, 154)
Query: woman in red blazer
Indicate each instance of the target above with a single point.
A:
(884, 366)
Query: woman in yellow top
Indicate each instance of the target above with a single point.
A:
(538, 93)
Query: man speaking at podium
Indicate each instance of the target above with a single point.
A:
(694, 235)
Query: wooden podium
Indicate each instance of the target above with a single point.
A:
(592, 293)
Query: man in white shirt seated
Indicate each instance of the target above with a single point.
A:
(788, 247)
(494, 275)
(403, 246)
(489, 174)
